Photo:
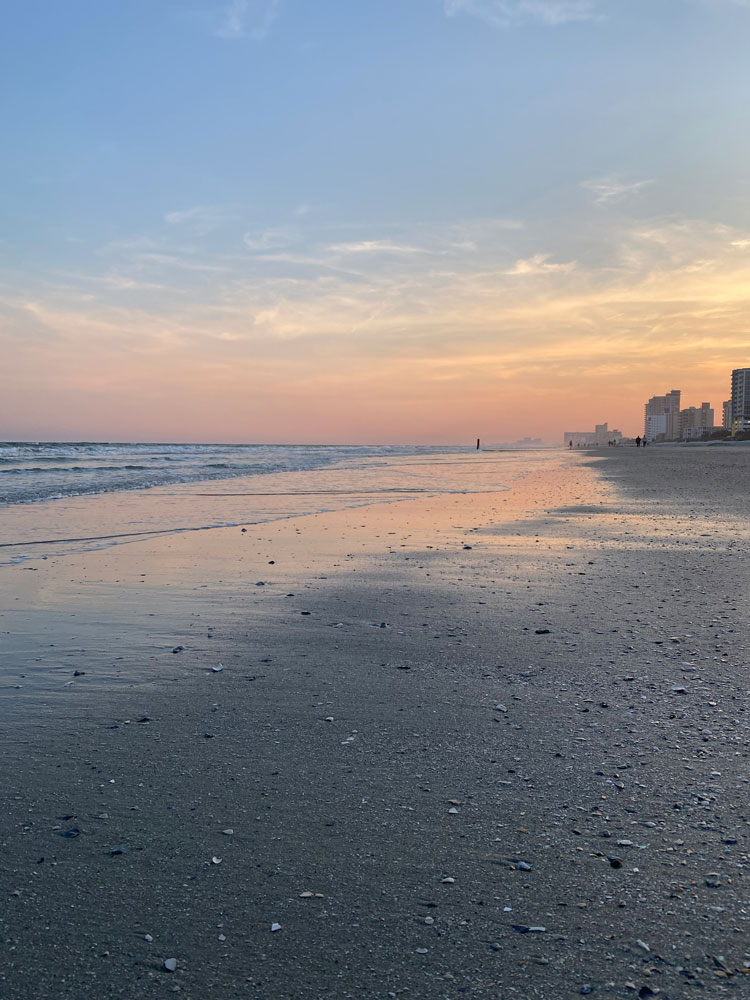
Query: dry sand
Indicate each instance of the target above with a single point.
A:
(492, 746)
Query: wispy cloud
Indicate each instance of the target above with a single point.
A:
(114, 282)
(201, 217)
(274, 238)
(672, 245)
(377, 246)
(540, 264)
(146, 252)
(181, 263)
(505, 13)
(247, 19)
(612, 189)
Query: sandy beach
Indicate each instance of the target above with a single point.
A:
(491, 744)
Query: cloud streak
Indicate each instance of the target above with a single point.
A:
(247, 19)
(612, 189)
(200, 218)
(377, 246)
(540, 264)
(505, 13)
(552, 13)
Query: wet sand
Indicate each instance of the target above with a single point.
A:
(491, 745)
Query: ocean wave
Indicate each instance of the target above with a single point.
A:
(45, 470)
(34, 473)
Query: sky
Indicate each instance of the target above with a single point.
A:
(366, 221)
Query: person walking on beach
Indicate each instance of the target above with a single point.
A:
(638, 441)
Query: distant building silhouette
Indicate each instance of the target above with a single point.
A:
(586, 439)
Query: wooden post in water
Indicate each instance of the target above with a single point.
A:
(477, 444)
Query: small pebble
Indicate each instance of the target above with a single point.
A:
(170, 964)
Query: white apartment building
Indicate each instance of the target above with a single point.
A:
(740, 394)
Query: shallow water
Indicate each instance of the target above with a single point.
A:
(32, 472)
(78, 523)
(108, 585)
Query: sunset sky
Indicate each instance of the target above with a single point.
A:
(369, 220)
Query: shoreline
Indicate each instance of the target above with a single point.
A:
(515, 723)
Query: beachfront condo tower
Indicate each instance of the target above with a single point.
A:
(740, 398)
(696, 421)
(662, 421)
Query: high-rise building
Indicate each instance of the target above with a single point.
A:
(727, 413)
(696, 421)
(662, 417)
(740, 394)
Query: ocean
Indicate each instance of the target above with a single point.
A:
(33, 472)
(61, 498)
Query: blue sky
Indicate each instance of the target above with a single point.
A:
(369, 220)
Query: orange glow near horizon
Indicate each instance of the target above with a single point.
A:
(403, 355)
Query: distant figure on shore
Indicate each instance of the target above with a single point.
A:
(570, 444)
(645, 442)
(638, 441)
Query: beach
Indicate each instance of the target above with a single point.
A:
(485, 741)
